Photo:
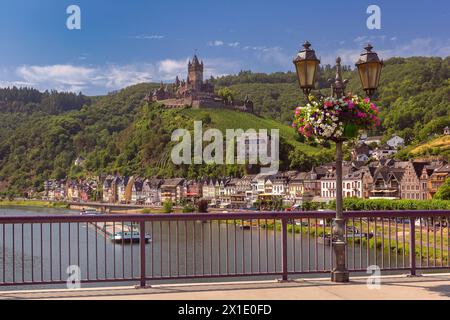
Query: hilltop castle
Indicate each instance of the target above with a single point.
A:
(195, 92)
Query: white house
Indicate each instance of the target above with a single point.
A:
(383, 153)
(396, 142)
(353, 185)
(328, 186)
(362, 157)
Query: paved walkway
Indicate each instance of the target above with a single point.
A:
(392, 288)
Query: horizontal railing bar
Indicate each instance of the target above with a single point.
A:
(57, 282)
(220, 216)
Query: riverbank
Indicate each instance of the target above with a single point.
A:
(33, 203)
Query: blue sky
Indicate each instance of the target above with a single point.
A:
(125, 42)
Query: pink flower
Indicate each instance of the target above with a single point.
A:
(367, 100)
(351, 105)
(328, 104)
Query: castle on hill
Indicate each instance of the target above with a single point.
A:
(194, 92)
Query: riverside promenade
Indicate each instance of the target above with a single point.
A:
(427, 287)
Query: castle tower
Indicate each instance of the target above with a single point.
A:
(195, 71)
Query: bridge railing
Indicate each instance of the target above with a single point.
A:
(40, 250)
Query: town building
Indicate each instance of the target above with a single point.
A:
(414, 182)
(437, 179)
(361, 152)
(209, 190)
(386, 183)
(137, 191)
(396, 142)
(172, 190)
(374, 140)
(152, 191)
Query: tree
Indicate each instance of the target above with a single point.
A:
(444, 191)
(168, 207)
(202, 206)
(226, 94)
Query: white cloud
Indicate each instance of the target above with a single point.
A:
(169, 68)
(426, 47)
(101, 79)
(216, 43)
(149, 37)
(60, 77)
(220, 43)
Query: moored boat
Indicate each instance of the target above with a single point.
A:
(129, 236)
(89, 212)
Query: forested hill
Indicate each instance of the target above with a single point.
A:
(414, 94)
(41, 134)
(29, 100)
(120, 133)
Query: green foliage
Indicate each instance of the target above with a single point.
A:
(226, 94)
(202, 206)
(188, 208)
(168, 207)
(444, 191)
(353, 204)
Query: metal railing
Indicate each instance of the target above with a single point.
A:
(38, 250)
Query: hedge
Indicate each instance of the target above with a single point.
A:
(354, 204)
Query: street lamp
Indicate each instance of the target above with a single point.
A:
(306, 64)
(369, 69)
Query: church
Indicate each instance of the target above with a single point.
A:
(194, 92)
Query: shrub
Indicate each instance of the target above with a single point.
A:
(444, 191)
(202, 206)
(168, 207)
(354, 204)
(188, 209)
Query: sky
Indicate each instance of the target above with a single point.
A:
(121, 43)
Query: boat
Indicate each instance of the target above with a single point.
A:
(245, 225)
(354, 233)
(129, 236)
(89, 212)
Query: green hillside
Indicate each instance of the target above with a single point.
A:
(439, 146)
(121, 133)
(41, 134)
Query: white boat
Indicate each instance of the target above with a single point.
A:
(129, 236)
(89, 212)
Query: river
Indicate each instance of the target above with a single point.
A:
(186, 248)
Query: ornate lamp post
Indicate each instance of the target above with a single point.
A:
(369, 69)
(306, 64)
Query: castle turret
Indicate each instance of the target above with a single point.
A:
(195, 71)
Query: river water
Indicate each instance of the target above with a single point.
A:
(176, 249)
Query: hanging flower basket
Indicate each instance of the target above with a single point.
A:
(335, 119)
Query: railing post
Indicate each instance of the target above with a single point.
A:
(412, 245)
(142, 253)
(284, 250)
